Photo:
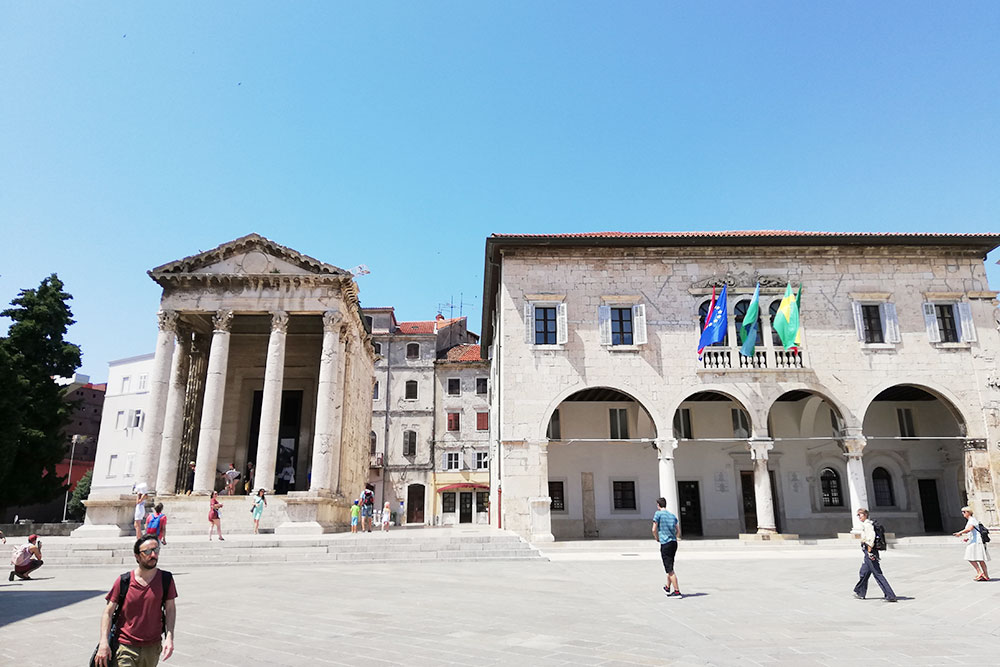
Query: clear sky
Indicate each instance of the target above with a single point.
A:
(401, 134)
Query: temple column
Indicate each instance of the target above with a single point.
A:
(763, 497)
(854, 445)
(668, 476)
(153, 428)
(173, 423)
(211, 412)
(270, 410)
(329, 406)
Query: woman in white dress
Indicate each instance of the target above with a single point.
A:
(975, 552)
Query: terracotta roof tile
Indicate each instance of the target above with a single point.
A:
(425, 327)
(729, 234)
(464, 352)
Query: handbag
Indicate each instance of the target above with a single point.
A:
(124, 581)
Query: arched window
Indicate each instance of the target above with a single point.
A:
(372, 443)
(882, 485)
(773, 310)
(411, 389)
(703, 315)
(830, 482)
(739, 312)
(413, 350)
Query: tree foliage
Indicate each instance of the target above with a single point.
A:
(76, 508)
(33, 411)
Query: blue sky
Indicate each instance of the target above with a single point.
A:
(400, 134)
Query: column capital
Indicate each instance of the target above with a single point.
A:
(332, 321)
(279, 321)
(222, 321)
(759, 447)
(854, 447)
(167, 320)
(665, 447)
(972, 444)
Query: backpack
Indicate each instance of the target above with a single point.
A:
(369, 497)
(20, 555)
(125, 581)
(153, 524)
(879, 536)
(984, 533)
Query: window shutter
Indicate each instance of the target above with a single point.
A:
(604, 324)
(964, 311)
(858, 320)
(930, 323)
(142, 420)
(529, 323)
(131, 418)
(890, 323)
(562, 325)
(639, 324)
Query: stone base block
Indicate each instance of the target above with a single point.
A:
(303, 528)
(107, 517)
(312, 513)
(102, 532)
(767, 537)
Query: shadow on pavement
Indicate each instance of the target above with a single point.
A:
(24, 603)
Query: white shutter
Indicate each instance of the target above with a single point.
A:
(639, 324)
(858, 320)
(930, 323)
(142, 420)
(131, 418)
(562, 325)
(890, 323)
(964, 312)
(604, 324)
(529, 323)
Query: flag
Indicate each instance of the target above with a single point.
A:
(750, 323)
(716, 322)
(798, 334)
(786, 320)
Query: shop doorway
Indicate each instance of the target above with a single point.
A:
(415, 503)
(689, 500)
(930, 506)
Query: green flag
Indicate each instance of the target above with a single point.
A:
(786, 320)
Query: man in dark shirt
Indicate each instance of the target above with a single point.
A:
(148, 613)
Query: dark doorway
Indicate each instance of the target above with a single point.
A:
(750, 501)
(465, 507)
(288, 440)
(930, 506)
(415, 503)
(690, 508)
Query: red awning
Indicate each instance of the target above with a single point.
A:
(463, 485)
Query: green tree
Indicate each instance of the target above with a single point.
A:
(33, 411)
(76, 508)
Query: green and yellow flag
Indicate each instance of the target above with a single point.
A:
(786, 320)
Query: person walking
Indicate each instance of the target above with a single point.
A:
(259, 503)
(26, 559)
(143, 613)
(666, 529)
(251, 473)
(386, 511)
(231, 475)
(870, 565)
(139, 517)
(355, 514)
(975, 551)
(367, 507)
(214, 520)
(156, 524)
(286, 478)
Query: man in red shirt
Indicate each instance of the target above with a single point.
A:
(148, 613)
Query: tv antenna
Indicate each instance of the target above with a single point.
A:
(452, 305)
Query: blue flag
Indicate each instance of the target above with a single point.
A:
(716, 324)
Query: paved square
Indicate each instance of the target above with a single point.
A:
(743, 606)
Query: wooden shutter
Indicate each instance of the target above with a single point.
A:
(890, 323)
(930, 323)
(859, 323)
(964, 312)
(529, 323)
(604, 324)
(639, 324)
(562, 325)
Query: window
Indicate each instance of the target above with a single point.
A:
(126, 384)
(682, 424)
(557, 497)
(741, 424)
(378, 348)
(830, 484)
(129, 465)
(624, 495)
(481, 385)
(369, 322)
(454, 421)
(545, 326)
(739, 313)
(482, 460)
(143, 381)
(372, 443)
(375, 392)
(413, 350)
(112, 465)
(554, 431)
(703, 315)
(622, 325)
(876, 323)
(836, 428)
(411, 390)
(482, 421)
(882, 485)
(949, 323)
(946, 323)
(136, 419)
(448, 502)
(872, 324)
(619, 423)
(409, 443)
(482, 501)
(545, 323)
(905, 418)
(454, 387)
(120, 422)
(452, 461)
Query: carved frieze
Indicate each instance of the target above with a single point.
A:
(749, 280)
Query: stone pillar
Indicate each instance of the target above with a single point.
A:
(153, 427)
(668, 477)
(270, 409)
(329, 407)
(211, 411)
(762, 485)
(540, 506)
(173, 423)
(854, 445)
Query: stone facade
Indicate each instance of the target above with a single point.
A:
(876, 407)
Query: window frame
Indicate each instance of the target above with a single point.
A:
(484, 382)
(702, 316)
(906, 423)
(409, 443)
(554, 421)
(829, 497)
(449, 499)
(414, 356)
(682, 418)
(453, 422)
(618, 424)
(480, 417)
(449, 458)
(406, 390)
(561, 324)
(458, 385)
(482, 460)
(963, 326)
(375, 391)
(740, 309)
(561, 495)
(635, 509)
(887, 486)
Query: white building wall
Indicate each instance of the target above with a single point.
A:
(118, 443)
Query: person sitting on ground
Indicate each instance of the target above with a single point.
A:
(26, 558)
(156, 524)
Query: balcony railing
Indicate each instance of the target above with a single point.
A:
(728, 358)
(376, 461)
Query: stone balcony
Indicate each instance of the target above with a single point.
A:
(725, 358)
(375, 461)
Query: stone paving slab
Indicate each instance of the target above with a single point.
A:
(789, 607)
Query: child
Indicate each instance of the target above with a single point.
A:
(385, 517)
(355, 513)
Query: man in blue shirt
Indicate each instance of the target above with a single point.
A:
(667, 530)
